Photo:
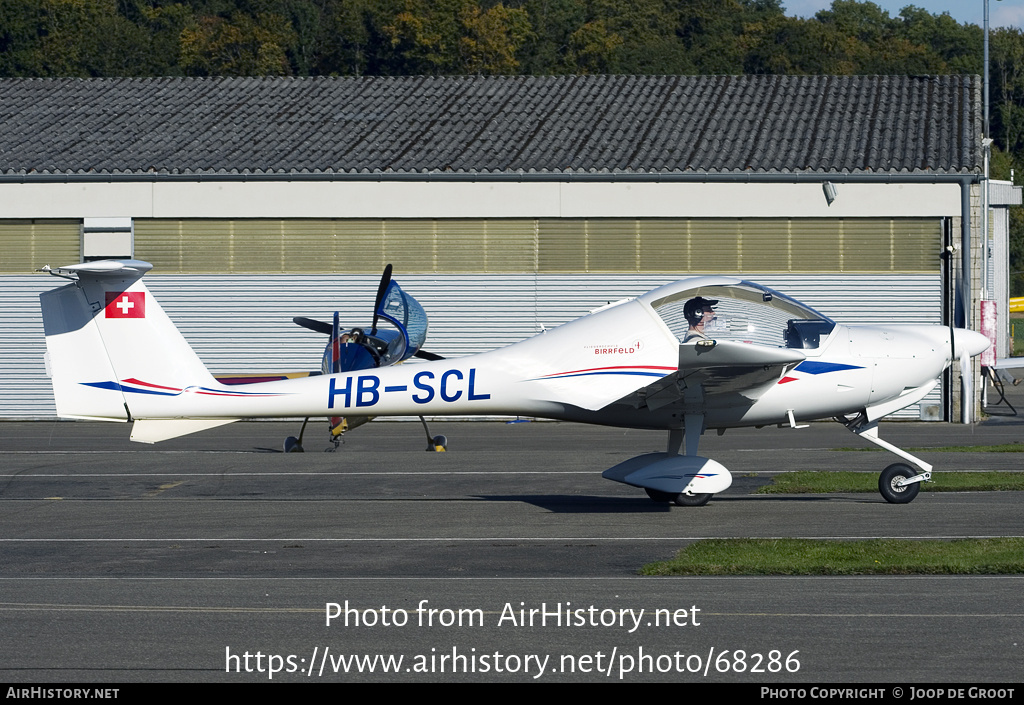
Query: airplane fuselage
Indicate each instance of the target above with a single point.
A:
(752, 356)
(855, 368)
(858, 367)
(772, 360)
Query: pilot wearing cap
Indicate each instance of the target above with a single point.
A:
(698, 313)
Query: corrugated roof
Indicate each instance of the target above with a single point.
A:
(491, 125)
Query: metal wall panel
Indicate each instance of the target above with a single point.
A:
(27, 391)
(26, 245)
(242, 323)
(544, 245)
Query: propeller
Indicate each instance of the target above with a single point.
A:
(318, 326)
(328, 329)
(385, 280)
(333, 330)
(335, 345)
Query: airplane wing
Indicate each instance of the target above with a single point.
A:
(717, 373)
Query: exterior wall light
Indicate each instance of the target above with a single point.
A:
(830, 192)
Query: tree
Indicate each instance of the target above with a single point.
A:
(240, 46)
(1006, 76)
(80, 38)
(492, 38)
(957, 45)
(553, 22)
(1006, 73)
(457, 36)
(20, 26)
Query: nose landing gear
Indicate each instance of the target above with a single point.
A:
(898, 483)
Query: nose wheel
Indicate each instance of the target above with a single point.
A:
(897, 484)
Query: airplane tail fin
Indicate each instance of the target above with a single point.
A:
(110, 346)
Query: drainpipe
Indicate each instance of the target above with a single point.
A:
(963, 304)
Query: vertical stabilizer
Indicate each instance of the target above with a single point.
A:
(110, 344)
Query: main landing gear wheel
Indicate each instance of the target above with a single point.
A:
(435, 444)
(681, 499)
(659, 496)
(691, 500)
(892, 491)
(293, 444)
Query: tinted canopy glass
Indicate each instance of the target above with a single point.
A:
(750, 313)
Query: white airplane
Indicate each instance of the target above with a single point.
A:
(752, 357)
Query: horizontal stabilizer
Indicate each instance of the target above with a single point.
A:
(156, 430)
(124, 268)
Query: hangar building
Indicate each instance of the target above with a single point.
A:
(506, 204)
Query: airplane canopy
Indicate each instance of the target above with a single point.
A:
(745, 312)
(408, 316)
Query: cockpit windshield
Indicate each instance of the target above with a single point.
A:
(409, 317)
(750, 313)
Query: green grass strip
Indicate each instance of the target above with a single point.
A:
(812, 482)
(830, 557)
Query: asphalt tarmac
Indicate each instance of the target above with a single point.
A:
(216, 558)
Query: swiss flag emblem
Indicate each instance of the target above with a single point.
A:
(126, 304)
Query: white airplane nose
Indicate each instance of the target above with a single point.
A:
(969, 341)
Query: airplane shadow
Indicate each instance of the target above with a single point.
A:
(318, 448)
(583, 504)
(587, 504)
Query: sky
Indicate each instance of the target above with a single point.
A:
(1001, 13)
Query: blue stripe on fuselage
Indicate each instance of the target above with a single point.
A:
(819, 368)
